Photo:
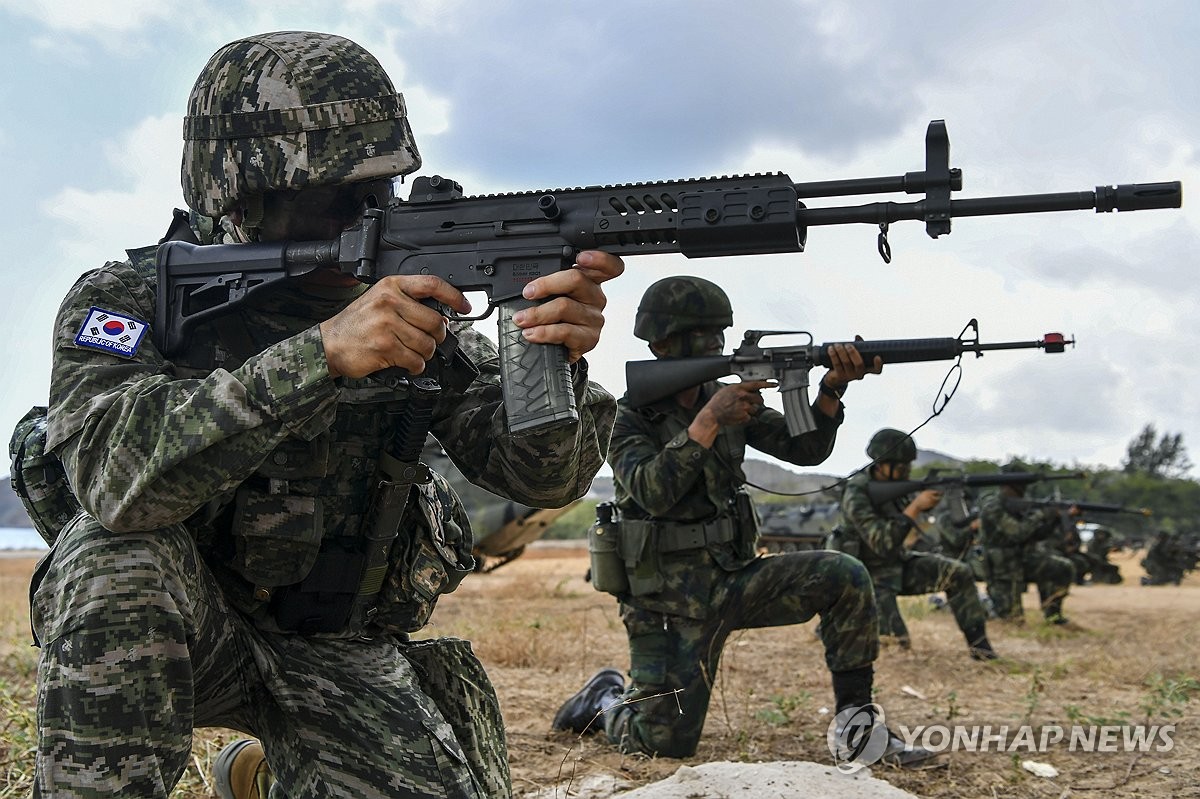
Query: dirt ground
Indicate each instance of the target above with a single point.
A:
(1129, 657)
(542, 631)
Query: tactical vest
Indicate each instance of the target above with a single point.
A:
(628, 553)
(315, 541)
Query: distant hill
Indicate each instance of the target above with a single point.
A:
(927, 457)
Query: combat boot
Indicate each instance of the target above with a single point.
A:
(241, 771)
(900, 755)
(581, 713)
(979, 645)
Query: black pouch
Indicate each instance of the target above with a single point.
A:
(748, 524)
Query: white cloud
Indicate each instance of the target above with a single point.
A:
(97, 225)
(97, 18)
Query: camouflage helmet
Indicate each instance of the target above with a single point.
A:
(679, 303)
(892, 446)
(290, 110)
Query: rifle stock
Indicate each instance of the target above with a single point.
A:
(650, 381)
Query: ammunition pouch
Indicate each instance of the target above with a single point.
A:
(277, 536)
(322, 602)
(430, 558)
(748, 522)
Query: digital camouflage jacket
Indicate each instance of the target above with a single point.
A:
(246, 439)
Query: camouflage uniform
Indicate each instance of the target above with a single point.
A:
(1098, 549)
(896, 571)
(1017, 552)
(957, 539)
(1168, 560)
(225, 569)
(147, 634)
(687, 596)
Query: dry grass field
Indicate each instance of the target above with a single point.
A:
(1130, 657)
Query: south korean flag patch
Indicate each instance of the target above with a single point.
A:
(111, 332)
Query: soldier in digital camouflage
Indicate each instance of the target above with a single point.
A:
(688, 535)
(1018, 549)
(230, 566)
(885, 536)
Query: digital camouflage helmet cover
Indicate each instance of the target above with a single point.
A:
(290, 110)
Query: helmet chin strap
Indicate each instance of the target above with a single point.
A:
(242, 225)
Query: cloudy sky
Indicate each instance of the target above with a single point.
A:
(507, 95)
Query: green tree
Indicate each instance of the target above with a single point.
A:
(1157, 456)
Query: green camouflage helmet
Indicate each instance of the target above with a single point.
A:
(892, 446)
(290, 110)
(679, 303)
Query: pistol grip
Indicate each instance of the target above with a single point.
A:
(535, 378)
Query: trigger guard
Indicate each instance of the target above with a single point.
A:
(453, 317)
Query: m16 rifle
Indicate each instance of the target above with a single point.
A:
(881, 491)
(1019, 505)
(499, 243)
(649, 381)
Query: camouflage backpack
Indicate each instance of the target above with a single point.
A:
(38, 477)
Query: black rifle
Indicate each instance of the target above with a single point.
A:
(649, 381)
(881, 491)
(499, 243)
(1017, 505)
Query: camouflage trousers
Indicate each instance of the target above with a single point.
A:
(674, 659)
(927, 573)
(1011, 569)
(139, 647)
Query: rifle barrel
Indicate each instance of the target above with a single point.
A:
(1126, 197)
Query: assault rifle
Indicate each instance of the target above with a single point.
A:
(881, 491)
(498, 243)
(1017, 505)
(647, 382)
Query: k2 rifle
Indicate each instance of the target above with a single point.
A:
(499, 243)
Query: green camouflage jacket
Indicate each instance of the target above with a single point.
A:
(880, 530)
(245, 438)
(1001, 528)
(662, 475)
